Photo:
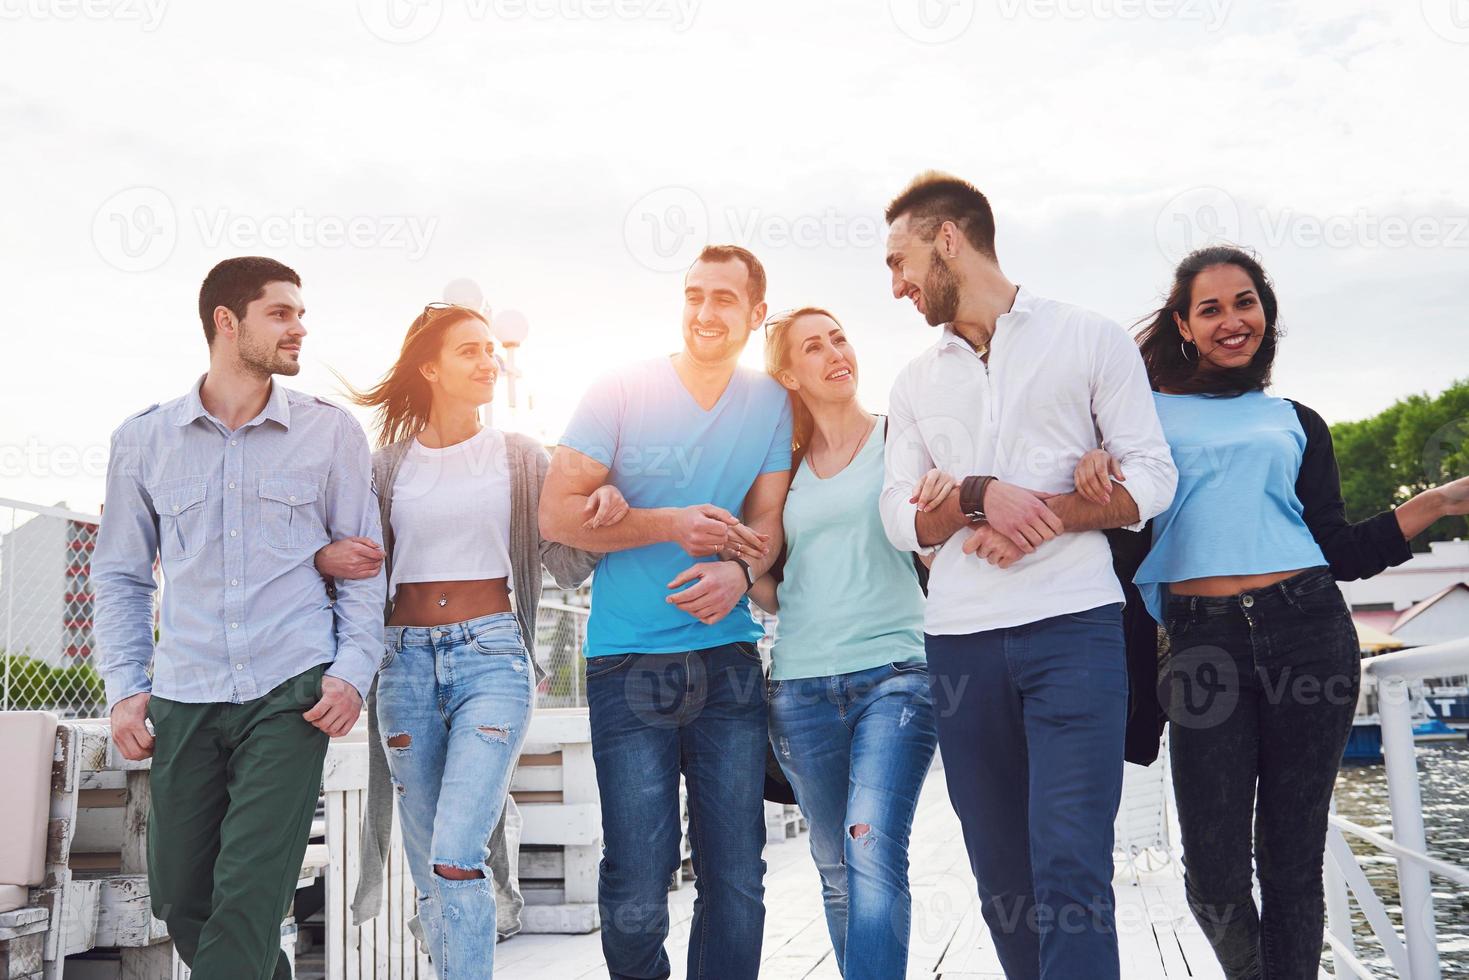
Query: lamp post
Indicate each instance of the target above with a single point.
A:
(511, 328)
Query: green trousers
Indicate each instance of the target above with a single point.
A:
(234, 790)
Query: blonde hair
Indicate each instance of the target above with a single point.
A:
(778, 359)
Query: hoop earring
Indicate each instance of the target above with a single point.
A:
(1183, 351)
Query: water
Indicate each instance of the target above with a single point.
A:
(1361, 797)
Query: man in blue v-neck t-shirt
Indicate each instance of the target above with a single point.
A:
(701, 449)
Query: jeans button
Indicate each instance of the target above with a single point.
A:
(1247, 601)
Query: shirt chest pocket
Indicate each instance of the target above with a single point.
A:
(288, 513)
(182, 517)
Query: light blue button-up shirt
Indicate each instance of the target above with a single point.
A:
(235, 519)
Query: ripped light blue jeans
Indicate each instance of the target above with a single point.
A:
(453, 706)
(856, 748)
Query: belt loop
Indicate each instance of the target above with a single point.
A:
(1193, 606)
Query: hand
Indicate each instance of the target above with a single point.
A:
(992, 546)
(130, 727)
(605, 506)
(744, 542)
(1094, 474)
(1020, 515)
(338, 709)
(350, 558)
(717, 589)
(702, 529)
(933, 489)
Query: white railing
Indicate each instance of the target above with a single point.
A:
(1414, 955)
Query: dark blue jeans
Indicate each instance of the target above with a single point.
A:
(654, 715)
(1260, 689)
(1031, 722)
(856, 748)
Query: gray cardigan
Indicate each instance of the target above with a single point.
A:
(528, 552)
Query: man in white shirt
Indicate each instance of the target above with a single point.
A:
(1023, 624)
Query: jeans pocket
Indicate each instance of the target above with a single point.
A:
(390, 653)
(600, 666)
(750, 652)
(910, 667)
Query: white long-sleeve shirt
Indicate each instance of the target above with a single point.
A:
(1060, 381)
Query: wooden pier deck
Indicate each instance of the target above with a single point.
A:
(1158, 936)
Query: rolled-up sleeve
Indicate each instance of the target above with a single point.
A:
(905, 460)
(122, 575)
(1127, 422)
(351, 511)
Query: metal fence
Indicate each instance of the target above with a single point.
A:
(46, 610)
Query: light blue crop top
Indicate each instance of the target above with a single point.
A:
(1235, 511)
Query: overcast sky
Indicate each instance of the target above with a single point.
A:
(570, 155)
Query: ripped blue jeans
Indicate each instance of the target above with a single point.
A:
(856, 748)
(453, 705)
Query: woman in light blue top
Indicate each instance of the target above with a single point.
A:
(1261, 675)
(851, 719)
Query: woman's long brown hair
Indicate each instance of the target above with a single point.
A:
(403, 396)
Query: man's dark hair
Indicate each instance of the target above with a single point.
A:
(236, 283)
(933, 198)
(732, 253)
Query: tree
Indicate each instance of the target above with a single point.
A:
(1417, 443)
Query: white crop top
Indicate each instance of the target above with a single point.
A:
(451, 512)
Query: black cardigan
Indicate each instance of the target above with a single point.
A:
(1354, 551)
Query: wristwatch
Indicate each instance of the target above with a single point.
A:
(749, 575)
(971, 496)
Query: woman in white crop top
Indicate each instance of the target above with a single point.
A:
(452, 703)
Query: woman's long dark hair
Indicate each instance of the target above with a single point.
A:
(1164, 349)
(403, 397)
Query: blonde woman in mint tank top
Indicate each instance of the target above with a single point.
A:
(851, 719)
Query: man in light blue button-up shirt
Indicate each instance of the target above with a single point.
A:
(233, 487)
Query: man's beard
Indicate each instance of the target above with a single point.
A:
(941, 294)
(264, 359)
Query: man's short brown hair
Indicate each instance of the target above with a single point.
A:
(934, 197)
(236, 283)
(733, 253)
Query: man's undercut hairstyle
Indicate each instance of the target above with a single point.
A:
(236, 283)
(935, 197)
(734, 253)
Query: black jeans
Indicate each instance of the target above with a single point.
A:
(1260, 688)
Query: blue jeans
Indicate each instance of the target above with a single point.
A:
(1031, 722)
(453, 705)
(856, 748)
(654, 715)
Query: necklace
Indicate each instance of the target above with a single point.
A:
(855, 449)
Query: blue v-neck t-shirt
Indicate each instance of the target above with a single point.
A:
(664, 450)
